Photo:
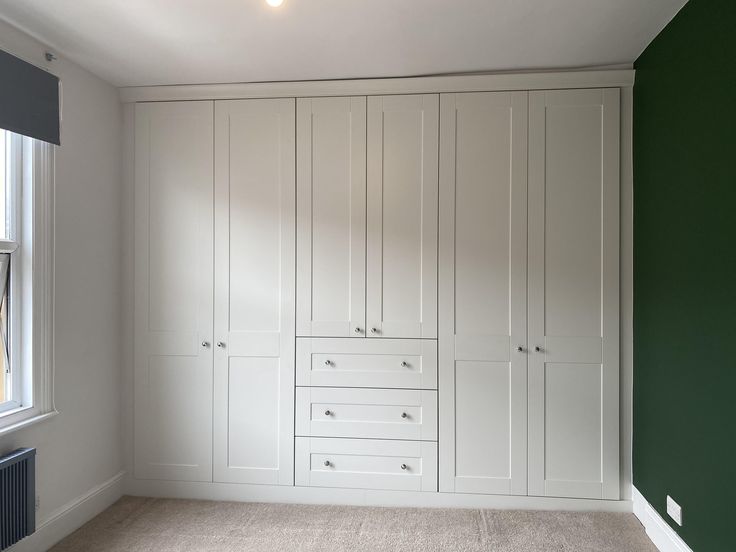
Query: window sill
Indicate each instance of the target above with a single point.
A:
(14, 420)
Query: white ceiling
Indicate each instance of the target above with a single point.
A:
(144, 42)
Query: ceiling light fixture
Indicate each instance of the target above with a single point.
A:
(274, 3)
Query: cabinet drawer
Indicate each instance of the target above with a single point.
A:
(366, 413)
(366, 464)
(388, 363)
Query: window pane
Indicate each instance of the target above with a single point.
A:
(4, 178)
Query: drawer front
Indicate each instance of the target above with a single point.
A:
(366, 413)
(388, 363)
(366, 464)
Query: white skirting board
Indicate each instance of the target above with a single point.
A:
(661, 534)
(361, 497)
(72, 516)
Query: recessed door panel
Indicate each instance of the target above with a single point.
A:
(483, 379)
(574, 293)
(173, 281)
(254, 291)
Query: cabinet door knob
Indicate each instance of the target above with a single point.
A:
(374, 330)
(520, 349)
(404, 364)
(358, 330)
(327, 463)
(538, 349)
(404, 415)
(328, 412)
(221, 344)
(205, 344)
(404, 466)
(328, 362)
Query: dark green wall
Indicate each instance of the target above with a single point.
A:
(685, 272)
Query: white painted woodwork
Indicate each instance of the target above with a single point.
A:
(574, 293)
(173, 290)
(483, 233)
(331, 202)
(401, 293)
(254, 291)
(379, 363)
(366, 413)
(366, 464)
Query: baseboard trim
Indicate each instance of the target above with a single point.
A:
(72, 515)
(360, 497)
(660, 533)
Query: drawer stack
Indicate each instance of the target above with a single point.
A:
(366, 413)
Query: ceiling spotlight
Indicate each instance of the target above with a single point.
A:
(274, 3)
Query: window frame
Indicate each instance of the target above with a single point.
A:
(31, 285)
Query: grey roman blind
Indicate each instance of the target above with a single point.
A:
(29, 99)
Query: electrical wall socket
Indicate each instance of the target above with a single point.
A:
(674, 510)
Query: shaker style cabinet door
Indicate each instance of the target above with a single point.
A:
(482, 305)
(401, 294)
(254, 291)
(574, 293)
(331, 217)
(173, 291)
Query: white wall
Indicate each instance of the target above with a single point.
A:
(81, 448)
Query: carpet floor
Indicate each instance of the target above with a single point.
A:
(163, 525)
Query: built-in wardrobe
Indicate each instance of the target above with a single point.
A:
(412, 292)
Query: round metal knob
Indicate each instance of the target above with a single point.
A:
(220, 344)
(328, 412)
(374, 330)
(404, 364)
(538, 349)
(358, 330)
(327, 463)
(205, 344)
(328, 362)
(404, 415)
(404, 466)
(520, 349)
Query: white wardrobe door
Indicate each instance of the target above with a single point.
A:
(402, 216)
(331, 217)
(574, 293)
(173, 290)
(254, 291)
(483, 233)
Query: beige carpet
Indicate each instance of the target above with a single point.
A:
(158, 525)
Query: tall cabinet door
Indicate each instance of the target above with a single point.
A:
(173, 291)
(402, 216)
(483, 248)
(254, 291)
(331, 217)
(574, 293)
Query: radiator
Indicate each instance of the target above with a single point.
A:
(17, 496)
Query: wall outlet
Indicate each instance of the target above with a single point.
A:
(674, 510)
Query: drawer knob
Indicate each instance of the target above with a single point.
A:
(328, 463)
(358, 330)
(404, 364)
(328, 362)
(404, 466)
(404, 415)
(328, 412)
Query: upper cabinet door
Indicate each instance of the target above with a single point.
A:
(401, 293)
(254, 291)
(483, 248)
(173, 290)
(574, 293)
(331, 217)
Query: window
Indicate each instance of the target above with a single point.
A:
(25, 264)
